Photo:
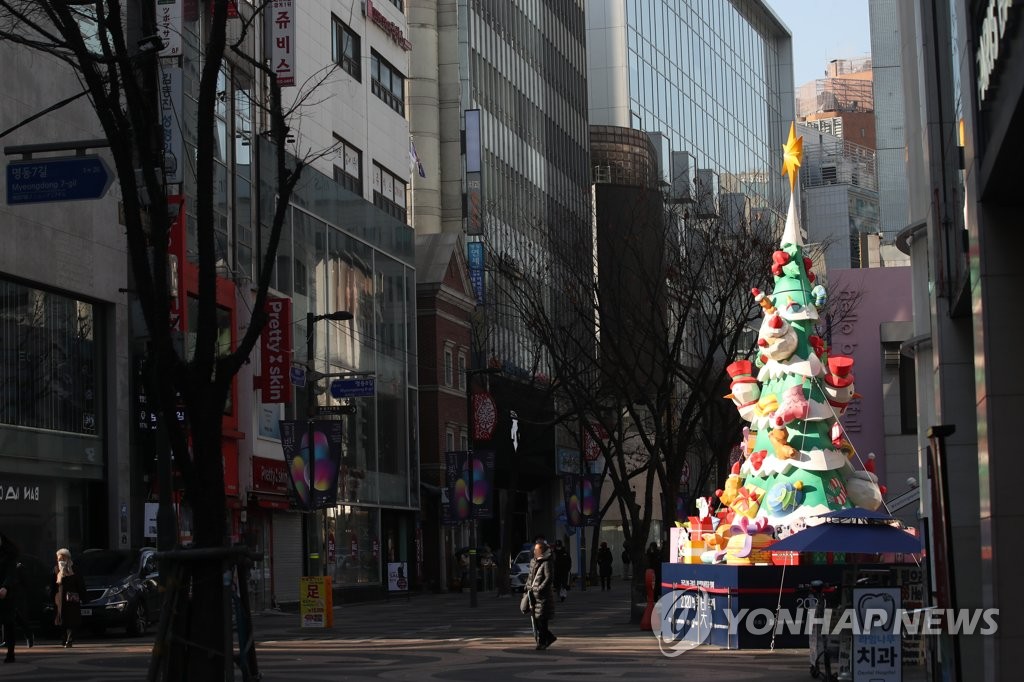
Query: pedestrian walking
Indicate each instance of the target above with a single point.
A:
(604, 566)
(19, 607)
(68, 590)
(563, 565)
(654, 563)
(10, 589)
(20, 623)
(626, 560)
(540, 596)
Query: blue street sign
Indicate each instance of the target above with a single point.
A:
(70, 178)
(353, 388)
(298, 376)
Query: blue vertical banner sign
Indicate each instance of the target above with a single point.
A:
(314, 477)
(475, 258)
(456, 508)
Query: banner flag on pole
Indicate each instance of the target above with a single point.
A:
(591, 499)
(314, 479)
(455, 504)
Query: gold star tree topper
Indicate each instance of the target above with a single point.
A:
(791, 153)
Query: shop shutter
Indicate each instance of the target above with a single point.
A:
(287, 567)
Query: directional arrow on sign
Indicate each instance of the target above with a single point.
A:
(71, 178)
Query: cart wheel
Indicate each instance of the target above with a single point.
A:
(814, 671)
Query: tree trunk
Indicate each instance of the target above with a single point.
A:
(637, 589)
(636, 536)
(505, 551)
(207, 622)
(595, 535)
(668, 506)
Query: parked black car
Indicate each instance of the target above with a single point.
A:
(121, 588)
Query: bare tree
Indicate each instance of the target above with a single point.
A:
(636, 331)
(100, 41)
(840, 312)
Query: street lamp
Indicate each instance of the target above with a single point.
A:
(311, 320)
(470, 373)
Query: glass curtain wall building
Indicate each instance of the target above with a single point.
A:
(713, 77)
(526, 74)
(339, 252)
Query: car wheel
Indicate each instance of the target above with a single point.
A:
(138, 622)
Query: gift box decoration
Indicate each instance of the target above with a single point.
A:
(699, 526)
(749, 542)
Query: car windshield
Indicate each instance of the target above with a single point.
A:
(104, 563)
(524, 557)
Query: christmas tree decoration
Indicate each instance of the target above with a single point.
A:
(797, 461)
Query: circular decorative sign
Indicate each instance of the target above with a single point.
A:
(485, 416)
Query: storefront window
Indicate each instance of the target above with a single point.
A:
(42, 513)
(49, 360)
(357, 545)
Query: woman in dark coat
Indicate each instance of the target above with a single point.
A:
(654, 563)
(604, 566)
(540, 584)
(68, 591)
(9, 592)
(563, 566)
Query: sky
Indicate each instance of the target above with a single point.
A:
(823, 30)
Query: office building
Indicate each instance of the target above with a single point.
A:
(65, 405)
(712, 81)
(839, 196)
(887, 70)
(962, 99)
(346, 246)
(497, 95)
(78, 449)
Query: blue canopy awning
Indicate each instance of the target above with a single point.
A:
(862, 538)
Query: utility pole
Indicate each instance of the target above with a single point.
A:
(470, 465)
(583, 518)
(311, 382)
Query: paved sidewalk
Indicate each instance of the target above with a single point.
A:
(442, 637)
(437, 637)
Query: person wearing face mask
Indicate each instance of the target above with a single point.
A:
(68, 591)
